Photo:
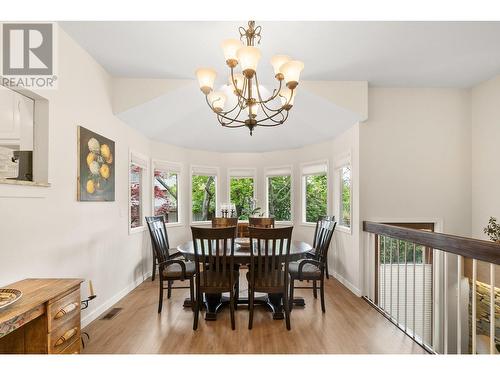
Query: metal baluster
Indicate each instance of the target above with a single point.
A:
(423, 295)
(406, 286)
(414, 282)
(459, 315)
(445, 297)
(492, 309)
(474, 280)
(379, 283)
(391, 278)
(397, 244)
(385, 282)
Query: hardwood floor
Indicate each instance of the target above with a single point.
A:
(350, 326)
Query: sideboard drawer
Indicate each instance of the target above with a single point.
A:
(73, 348)
(65, 335)
(63, 309)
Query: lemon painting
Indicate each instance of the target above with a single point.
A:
(96, 167)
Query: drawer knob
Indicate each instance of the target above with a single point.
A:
(66, 309)
(68, 335)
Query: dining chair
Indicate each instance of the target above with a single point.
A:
(314, 269)
(221, 222)
(214, 266)
(169, 269)
(170, 254)
(312, 254)
(261, 222)
(269, 259)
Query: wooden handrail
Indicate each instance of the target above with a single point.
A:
(486, 251)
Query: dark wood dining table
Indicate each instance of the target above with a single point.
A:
(215, 302)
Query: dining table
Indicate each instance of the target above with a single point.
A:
(274, 302)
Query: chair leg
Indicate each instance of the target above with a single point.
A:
(237, 295)
(191, 292)
(231, 308)
(160, 301)
(250, 306)
(169, 290)
(196, 312)
(315, 291)
(286, 307)
(154, 270)
(326, 267)
(292, 283)
(322, 292)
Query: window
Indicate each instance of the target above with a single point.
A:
(345, 197)
(314, 192)
(279, 194)
(166, 191)
(137, 172)
(203, 194)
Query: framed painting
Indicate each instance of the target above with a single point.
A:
(96, 167)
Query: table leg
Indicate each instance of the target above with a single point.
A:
(274, 302)
(213, 302)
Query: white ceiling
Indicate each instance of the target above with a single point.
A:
(423, 54)
(404, 54)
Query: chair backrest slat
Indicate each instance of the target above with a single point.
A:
(270, 253)
(261, 222)
(159, 237)
(213, 250)
(222, 222)
(323, 237)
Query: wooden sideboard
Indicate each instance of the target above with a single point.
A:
(45, 320)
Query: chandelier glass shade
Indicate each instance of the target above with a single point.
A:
(244, 88)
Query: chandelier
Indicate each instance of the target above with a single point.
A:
(244, 84)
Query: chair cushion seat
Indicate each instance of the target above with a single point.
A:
(216, 281)
(269, 282)
(175, 271)
(309, 271)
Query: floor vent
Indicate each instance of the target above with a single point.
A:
(112, 313)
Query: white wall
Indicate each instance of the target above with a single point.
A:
(45, 232)
(415, 165)
(344, 260)
(485, 118)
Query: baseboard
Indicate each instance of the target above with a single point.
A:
(94, 314)
(347, 284)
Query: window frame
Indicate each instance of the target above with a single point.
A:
(143, 162)
(303, 166)
(279, 172)
(339, 165)
(169, 167)
(201, 170)
(241, 173)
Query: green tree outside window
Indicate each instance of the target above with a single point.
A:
(316, 196)
(203, 197)
(279, 197)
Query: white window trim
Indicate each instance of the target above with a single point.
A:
(202, 170)
(241, 173)
(168, 166)
(340, 163)
(145, 165)
(303, 166)
(284, 170)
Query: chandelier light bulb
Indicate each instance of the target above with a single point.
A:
(206, 79)
(277, 61)
(239, 80)
(252, 110)
(291, 71)
(230, 48)
(217, 99)
(248, 58)
(287, 97)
